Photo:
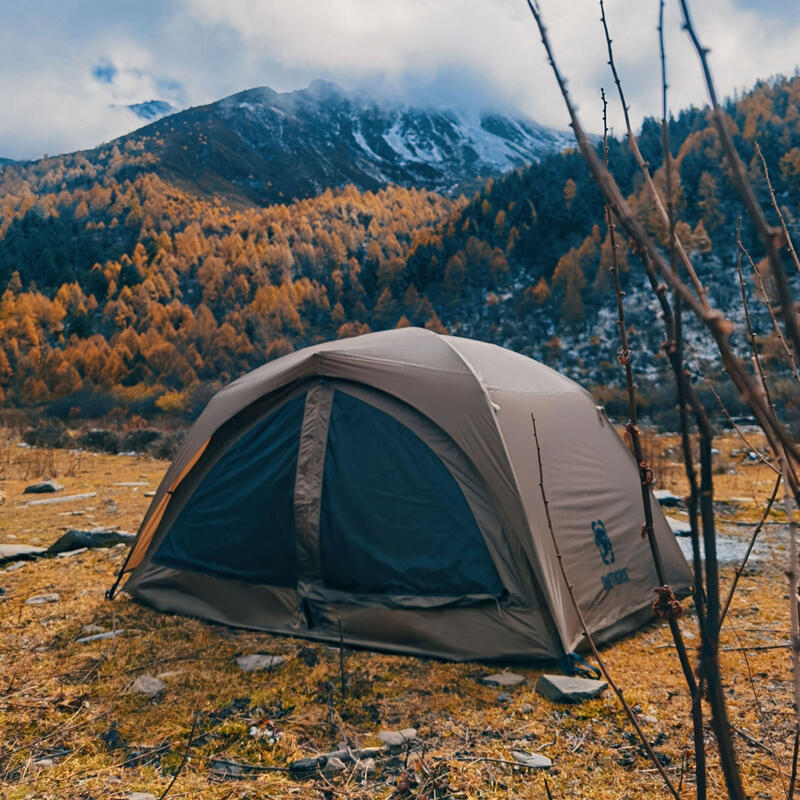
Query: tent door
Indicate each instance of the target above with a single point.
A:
(380, 518)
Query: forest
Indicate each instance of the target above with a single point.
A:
(123, 292)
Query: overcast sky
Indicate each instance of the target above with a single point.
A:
(69, 68)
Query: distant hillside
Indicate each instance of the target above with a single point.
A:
(124, 289)
(262, 146)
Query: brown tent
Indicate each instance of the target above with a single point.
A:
(390, 482)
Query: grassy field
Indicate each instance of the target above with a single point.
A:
(71, 728)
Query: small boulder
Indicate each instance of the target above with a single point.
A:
(533, 760)
(258, 661)
(140, 796)
(666, 499)
(366, 766)
(508, 680)
(504, 698)
(563, 689)
(88, 630)
(333, 765)
(13, 552)
(43, 487)
(397, 739)
(303, 767)
(679, 527)
(97, 637)
(41, 599)
(148, 686)
(525, 708)
(75, 539)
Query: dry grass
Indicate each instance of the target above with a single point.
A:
(59, 699)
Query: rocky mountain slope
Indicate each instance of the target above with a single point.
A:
(262, 146)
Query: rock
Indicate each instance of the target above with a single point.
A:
(679, 527)
(41, 599)
(667, 499)
(258, 661)
(526, 708)
(563, 689)
(75, 539)
(367, 766)
(504, 698)
(65, 499)
(44, 762)
(650, 720)
(71, 553)
(533, 760)
(44, 487)
(96, 637)
(396, 739)
(333, 765)
(140, 796)
(303, 766)
(507, 680)
(148, 686)
(91, 628)
(14, 552)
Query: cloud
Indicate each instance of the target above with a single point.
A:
(69, 64)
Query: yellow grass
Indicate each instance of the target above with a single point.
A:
(59, 697)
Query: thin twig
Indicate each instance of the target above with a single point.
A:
(184, 759)
(759, 282)
(772, 238)
(789, 243)
(664, 215)
(740, 569)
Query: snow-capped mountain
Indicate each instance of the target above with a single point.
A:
(151, 110)
(266, 146)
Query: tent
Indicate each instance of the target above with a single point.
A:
(388, 484)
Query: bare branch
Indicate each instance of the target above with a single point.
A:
(585, 630)
(664, 214)
(772, 238)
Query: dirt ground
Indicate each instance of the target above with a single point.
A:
(71, 728)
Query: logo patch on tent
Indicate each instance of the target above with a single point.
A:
(603, 542)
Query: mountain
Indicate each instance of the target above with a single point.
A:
(152, 109)
(261, 146)
(121, 288)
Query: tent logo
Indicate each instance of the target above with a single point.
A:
(603, 542)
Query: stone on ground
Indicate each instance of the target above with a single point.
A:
(679, 527)
(533, 760)
(97, 637)
(392, 739)
(75, 539)
(140, 796)
(258, 661)
(13, 552)
(64, 499)
(333, 765)
(563, 689)
(43, 487)
(508, 680)
(667, 499)
(148, 686)
(41, 599)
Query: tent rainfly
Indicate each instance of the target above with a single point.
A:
(390, 482)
